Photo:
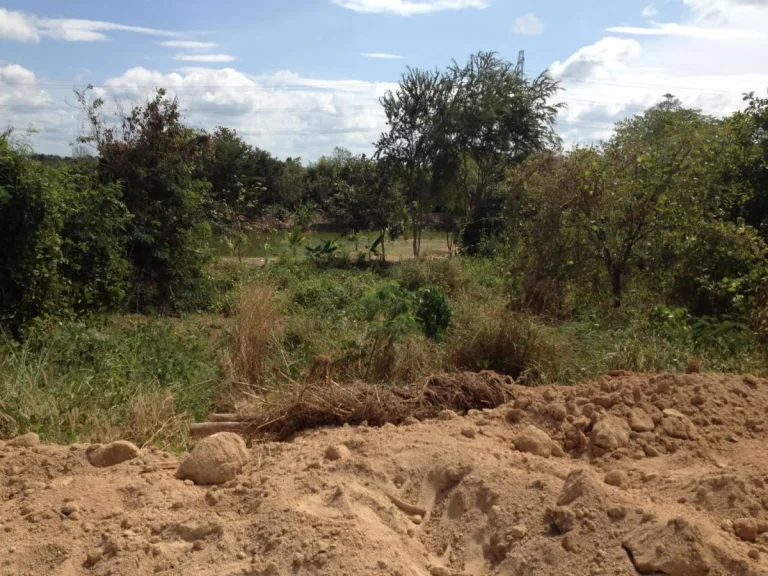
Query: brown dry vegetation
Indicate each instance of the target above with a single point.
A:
(257, 330)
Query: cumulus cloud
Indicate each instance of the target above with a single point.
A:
(707, 69)
(24, 27)
(528, 25)
(18, 26)
(24, 104)
(205, 57)
(650, 11)
(284, 112)
(383, 56)
(187, 44)
(409, 7)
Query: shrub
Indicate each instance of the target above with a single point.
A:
(61, 237)
(487, 337)
(433, 312)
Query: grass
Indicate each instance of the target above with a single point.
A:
(145, 378)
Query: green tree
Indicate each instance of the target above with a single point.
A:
(365, 199)
(62, 241)
(154, 159)
(416, 145)
(498, 117)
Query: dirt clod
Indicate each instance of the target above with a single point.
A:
(25, 441)
(534, 441)
(610, 433)
(105, 455)
(746, 529)
(215, 460)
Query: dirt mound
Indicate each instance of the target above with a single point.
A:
(629, 474)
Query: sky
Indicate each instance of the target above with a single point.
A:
(298, 77)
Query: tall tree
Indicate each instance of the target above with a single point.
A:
(417, 140)
(499, 117)
(154, 158)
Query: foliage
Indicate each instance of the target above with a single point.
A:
(415, 147)
(154, 157)
(433, 312)
(61, 237)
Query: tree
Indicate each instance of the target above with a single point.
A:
(153, 157)
(416, 144)
(62, 241)
(498, 118)
(364, 199)
(751, 128)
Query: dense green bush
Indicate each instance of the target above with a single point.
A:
(62, 242)
(154, 159)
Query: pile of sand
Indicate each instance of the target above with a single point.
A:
(650, 474)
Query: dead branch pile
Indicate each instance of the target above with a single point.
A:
(327, 403)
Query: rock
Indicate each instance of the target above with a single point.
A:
(518, 532)
(746, 529)
(447, 415)
(677, 549)
(754, 554)
(105, 455)
(617, 478)
(609, 434)
(27, 440)
(534, 441)
(440, 571)
(579, 484)
(571, 543)
(468, 432)
(215, 460)
(515, 415)
(640, 421)
(678, 425)
(339, 452)
(411, 421)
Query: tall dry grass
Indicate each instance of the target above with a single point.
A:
(257, 333)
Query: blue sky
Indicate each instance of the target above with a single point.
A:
(298, 77)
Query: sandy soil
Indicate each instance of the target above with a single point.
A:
(650, 474)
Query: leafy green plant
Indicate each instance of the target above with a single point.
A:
(322, 251)
(433, 312)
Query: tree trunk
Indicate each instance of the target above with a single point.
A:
(416, 243)
(383, 240)
(616, 287)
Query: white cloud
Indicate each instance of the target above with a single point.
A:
(29, 28)
(383, 56)
(205, 57)
(528, 25)
(618, 77)
(25, 104)
(284, 112)
(650, 11)
(410, 7)
(18, 26)
(187, 44)
(672, 29)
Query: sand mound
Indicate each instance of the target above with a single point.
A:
(649, 474)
